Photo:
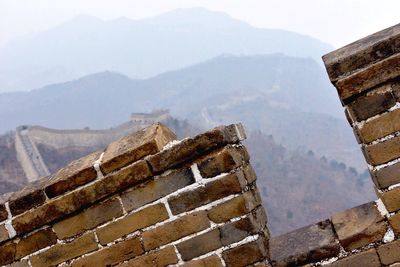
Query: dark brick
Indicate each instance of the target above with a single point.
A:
(387, 176)
(199, 245)
(35, 242)
(30, 196)
(3, 212)
(246, 254)
(7, 253)
(136, 146)
(157, 188)
(220, 188)
(359, 226)
(235, 231)
(305, 245)
(190, 148)
(223, 160)
(75, 174)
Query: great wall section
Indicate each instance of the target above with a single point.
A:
(28, 137)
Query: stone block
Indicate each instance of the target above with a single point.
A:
(199, 245)
(387, 176)
(379, 101)
(389, 253)
(395, 223)
(246, 254)
(373, 75)
(159, 258)
(383, 152)
(132, 222)
(88, 219)
(367, 258)
(181, 227)
(366, 51)
(359, 226)
(234, 207)
(81, 198)
(233, 232)
(75, 174)
(136, 146)
(3, 233)
(35, 242)
(3, 212)
(159, 187)
(63, 252)
(223, 161)
(391, 199)
(209, 261)
(379, 127)
(190, 148)
(112, 255)
(305, 245)
(220, 188)
(7, 253)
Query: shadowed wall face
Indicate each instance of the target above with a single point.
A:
(146, 200)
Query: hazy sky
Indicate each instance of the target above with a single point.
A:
(334, 21)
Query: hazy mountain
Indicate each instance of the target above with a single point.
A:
(140, 48)
(284, 96)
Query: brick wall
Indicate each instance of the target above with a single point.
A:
(146, 200)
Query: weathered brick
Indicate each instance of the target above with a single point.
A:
(378, 101)
(81, 198)
(30, 196)
(209, 261)
(35, 242)
(367, 258)
(199, 245)
(234, 207)
(369, 77)
(7, 253)
(160, 258)
(235, 231)
(391, 199)
(3, 212)
(387, 176)
(63, 252)
(305, 245)
(389, 253)
(132, 222)
(249, 173)
(131, 148)
(223, 160)
(191, 148)
(359, 226)
(395, 223)
(75, 174)
(382, 152)
(246, 254)
(3, 233)
(183, 226)
(88, 219)
(379, 127)
(111, 255)
(361, 53)
(223, 187)
(157, 188)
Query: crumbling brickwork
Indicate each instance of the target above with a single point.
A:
(146, 200)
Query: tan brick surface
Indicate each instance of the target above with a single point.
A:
(111, 255)
(383, 152)
(359, 226)
(223, 187)
(387, 176)
(129, 224)
(183, 226)
(63, 252)
(391, 199)
(367, 258)
(199, 245)
(389, 253)
(155, 189)
(245, 254)
(209, 261)
(395, 223)
(3, 233)
(136, 146)
(88, 219)
(160, 258)
(35, 242)
(235, 207)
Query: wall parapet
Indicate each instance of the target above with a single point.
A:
(146, 200)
